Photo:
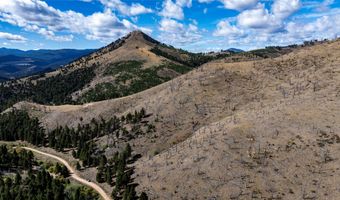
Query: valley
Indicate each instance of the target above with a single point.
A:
(16, 63)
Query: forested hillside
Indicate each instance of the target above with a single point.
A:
(82, 142)
(46, 90)
(37, 182)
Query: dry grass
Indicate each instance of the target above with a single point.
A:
(263, 129)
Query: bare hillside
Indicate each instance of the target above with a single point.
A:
(257, 129)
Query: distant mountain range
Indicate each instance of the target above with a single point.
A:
(235, 50)
(3, 79)
(16, 63)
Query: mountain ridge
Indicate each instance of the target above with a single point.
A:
(123, 67)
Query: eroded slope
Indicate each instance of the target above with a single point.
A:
(264, 129)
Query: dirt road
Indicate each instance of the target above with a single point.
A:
(73, 173)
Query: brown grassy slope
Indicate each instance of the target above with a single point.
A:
(264, 129)
(284, 144)
(211, 92)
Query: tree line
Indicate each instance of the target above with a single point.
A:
(38, 184)
(116, 169)
(45, 90)
(22, 159)
(17, 125)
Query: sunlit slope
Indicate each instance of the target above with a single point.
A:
(258, 129)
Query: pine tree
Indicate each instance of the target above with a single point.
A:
(102, 161)
(108, 176)
(17, 179)
(57, 168)
(127, 151)
(143, 196)
(77, 194)
(64, 171)
(130, 193)
(99, 177)
(78, 167)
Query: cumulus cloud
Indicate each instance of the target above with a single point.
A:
(284, 8)
(172, 10)
(272, 21)
(234, 4)
(51, 35)
(224, 28)
(258, 18)
(177, 33)
(255, 15)
(184, 3)
(321, 28)
(169, 25)
(326, 27)
(133, 10)
(239, 4)
(37, 16)
(12, 37)
(259, 26)
(172, 31)
(205, 1)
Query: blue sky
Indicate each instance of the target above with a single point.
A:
(195, 25)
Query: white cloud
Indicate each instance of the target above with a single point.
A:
(172, 10)
(137, 9)
(224, 28)
(324, 6)
(239, 4)
(321, 28)
(205, 10)
(258, 18)
(184, 3)
(12, 37)
(234, 4)
(37, 16)
(51, 35)
(205, 1)
(284, 8)
(177, 33)
(261, 18)
(133, 10)
(169, 25)
(259, 27)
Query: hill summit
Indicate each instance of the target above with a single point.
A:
(139, 36)
(129, 65)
